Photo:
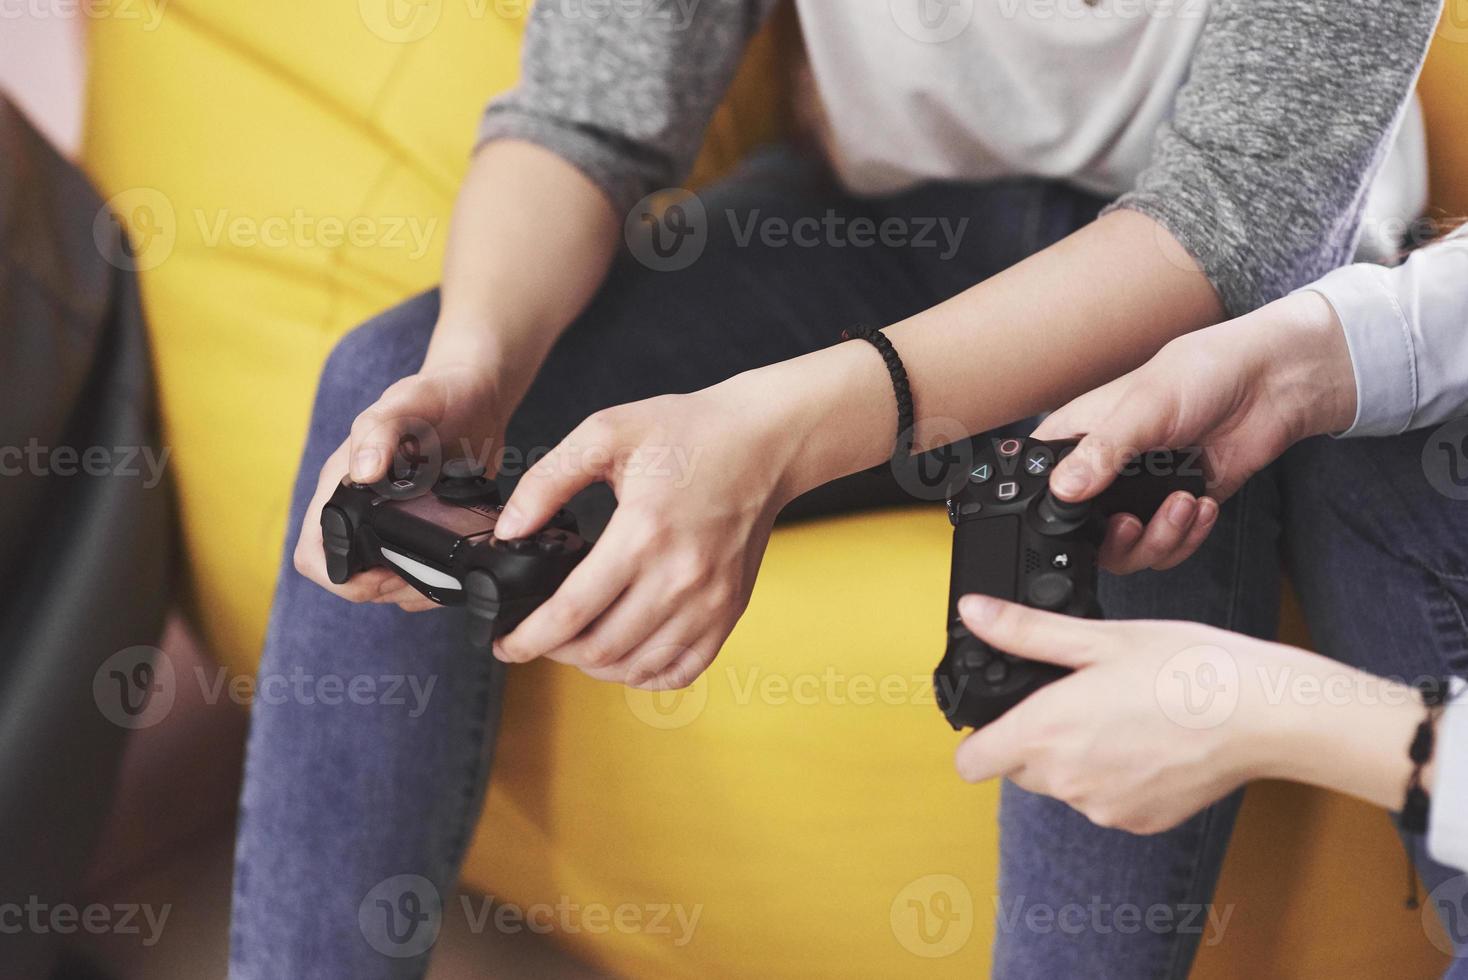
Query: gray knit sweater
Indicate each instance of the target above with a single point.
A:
(1261, 173)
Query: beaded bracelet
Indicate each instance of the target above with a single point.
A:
(1417, 805)
(900, 386)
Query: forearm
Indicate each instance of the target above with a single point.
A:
(1335, 727)
(530, 244)
(1074, 316)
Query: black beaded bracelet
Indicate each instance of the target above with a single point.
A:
(1417, 805)
(902, 448)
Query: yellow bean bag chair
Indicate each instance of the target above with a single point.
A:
(287, 169)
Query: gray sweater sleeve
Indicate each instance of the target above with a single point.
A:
(625, 95)
(1288, 111)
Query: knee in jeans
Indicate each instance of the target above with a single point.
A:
(379, 352)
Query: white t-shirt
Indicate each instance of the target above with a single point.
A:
(915, 90)
(979, 89)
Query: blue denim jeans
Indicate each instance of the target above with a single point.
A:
(1379, 559)
(356, 811)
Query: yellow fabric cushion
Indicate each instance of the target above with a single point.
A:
(1444, 91)
(799, 801)
(796, 815)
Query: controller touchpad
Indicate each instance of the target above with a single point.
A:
(455, 518)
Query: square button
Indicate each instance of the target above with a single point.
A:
(1008, 491)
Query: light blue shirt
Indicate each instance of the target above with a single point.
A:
(1447, 826)
(1407, 328)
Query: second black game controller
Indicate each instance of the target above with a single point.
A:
(441, 541)
(1015, 540)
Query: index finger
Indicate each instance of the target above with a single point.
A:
(1032, 634)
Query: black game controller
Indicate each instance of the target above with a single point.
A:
(1013, 539)
(442, 543)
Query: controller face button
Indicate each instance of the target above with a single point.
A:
(1010, 448)
(521, 546)
(982, 473)
(1039, 461)
(1008, 491)
(1051, 591)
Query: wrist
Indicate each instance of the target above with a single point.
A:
(1309, 364)
(827, 415)
(503, 358)
(1350, 734)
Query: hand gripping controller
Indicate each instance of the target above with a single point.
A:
(442, 543)
(1013, 539)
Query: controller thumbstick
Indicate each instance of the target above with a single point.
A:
(463, 481)
(1051, 591)
(1053, 510)
(463, 469)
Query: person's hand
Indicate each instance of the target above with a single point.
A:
(1160, 719)
(1244, 391)
(698, 484)
(459, 408)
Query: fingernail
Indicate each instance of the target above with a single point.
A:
(1207, 511)
(1128, 530)
(978, 608)
(1070, 481)
(1180, 511)
(364, 465)
(510, 524)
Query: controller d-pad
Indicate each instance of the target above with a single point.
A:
(996, 672)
